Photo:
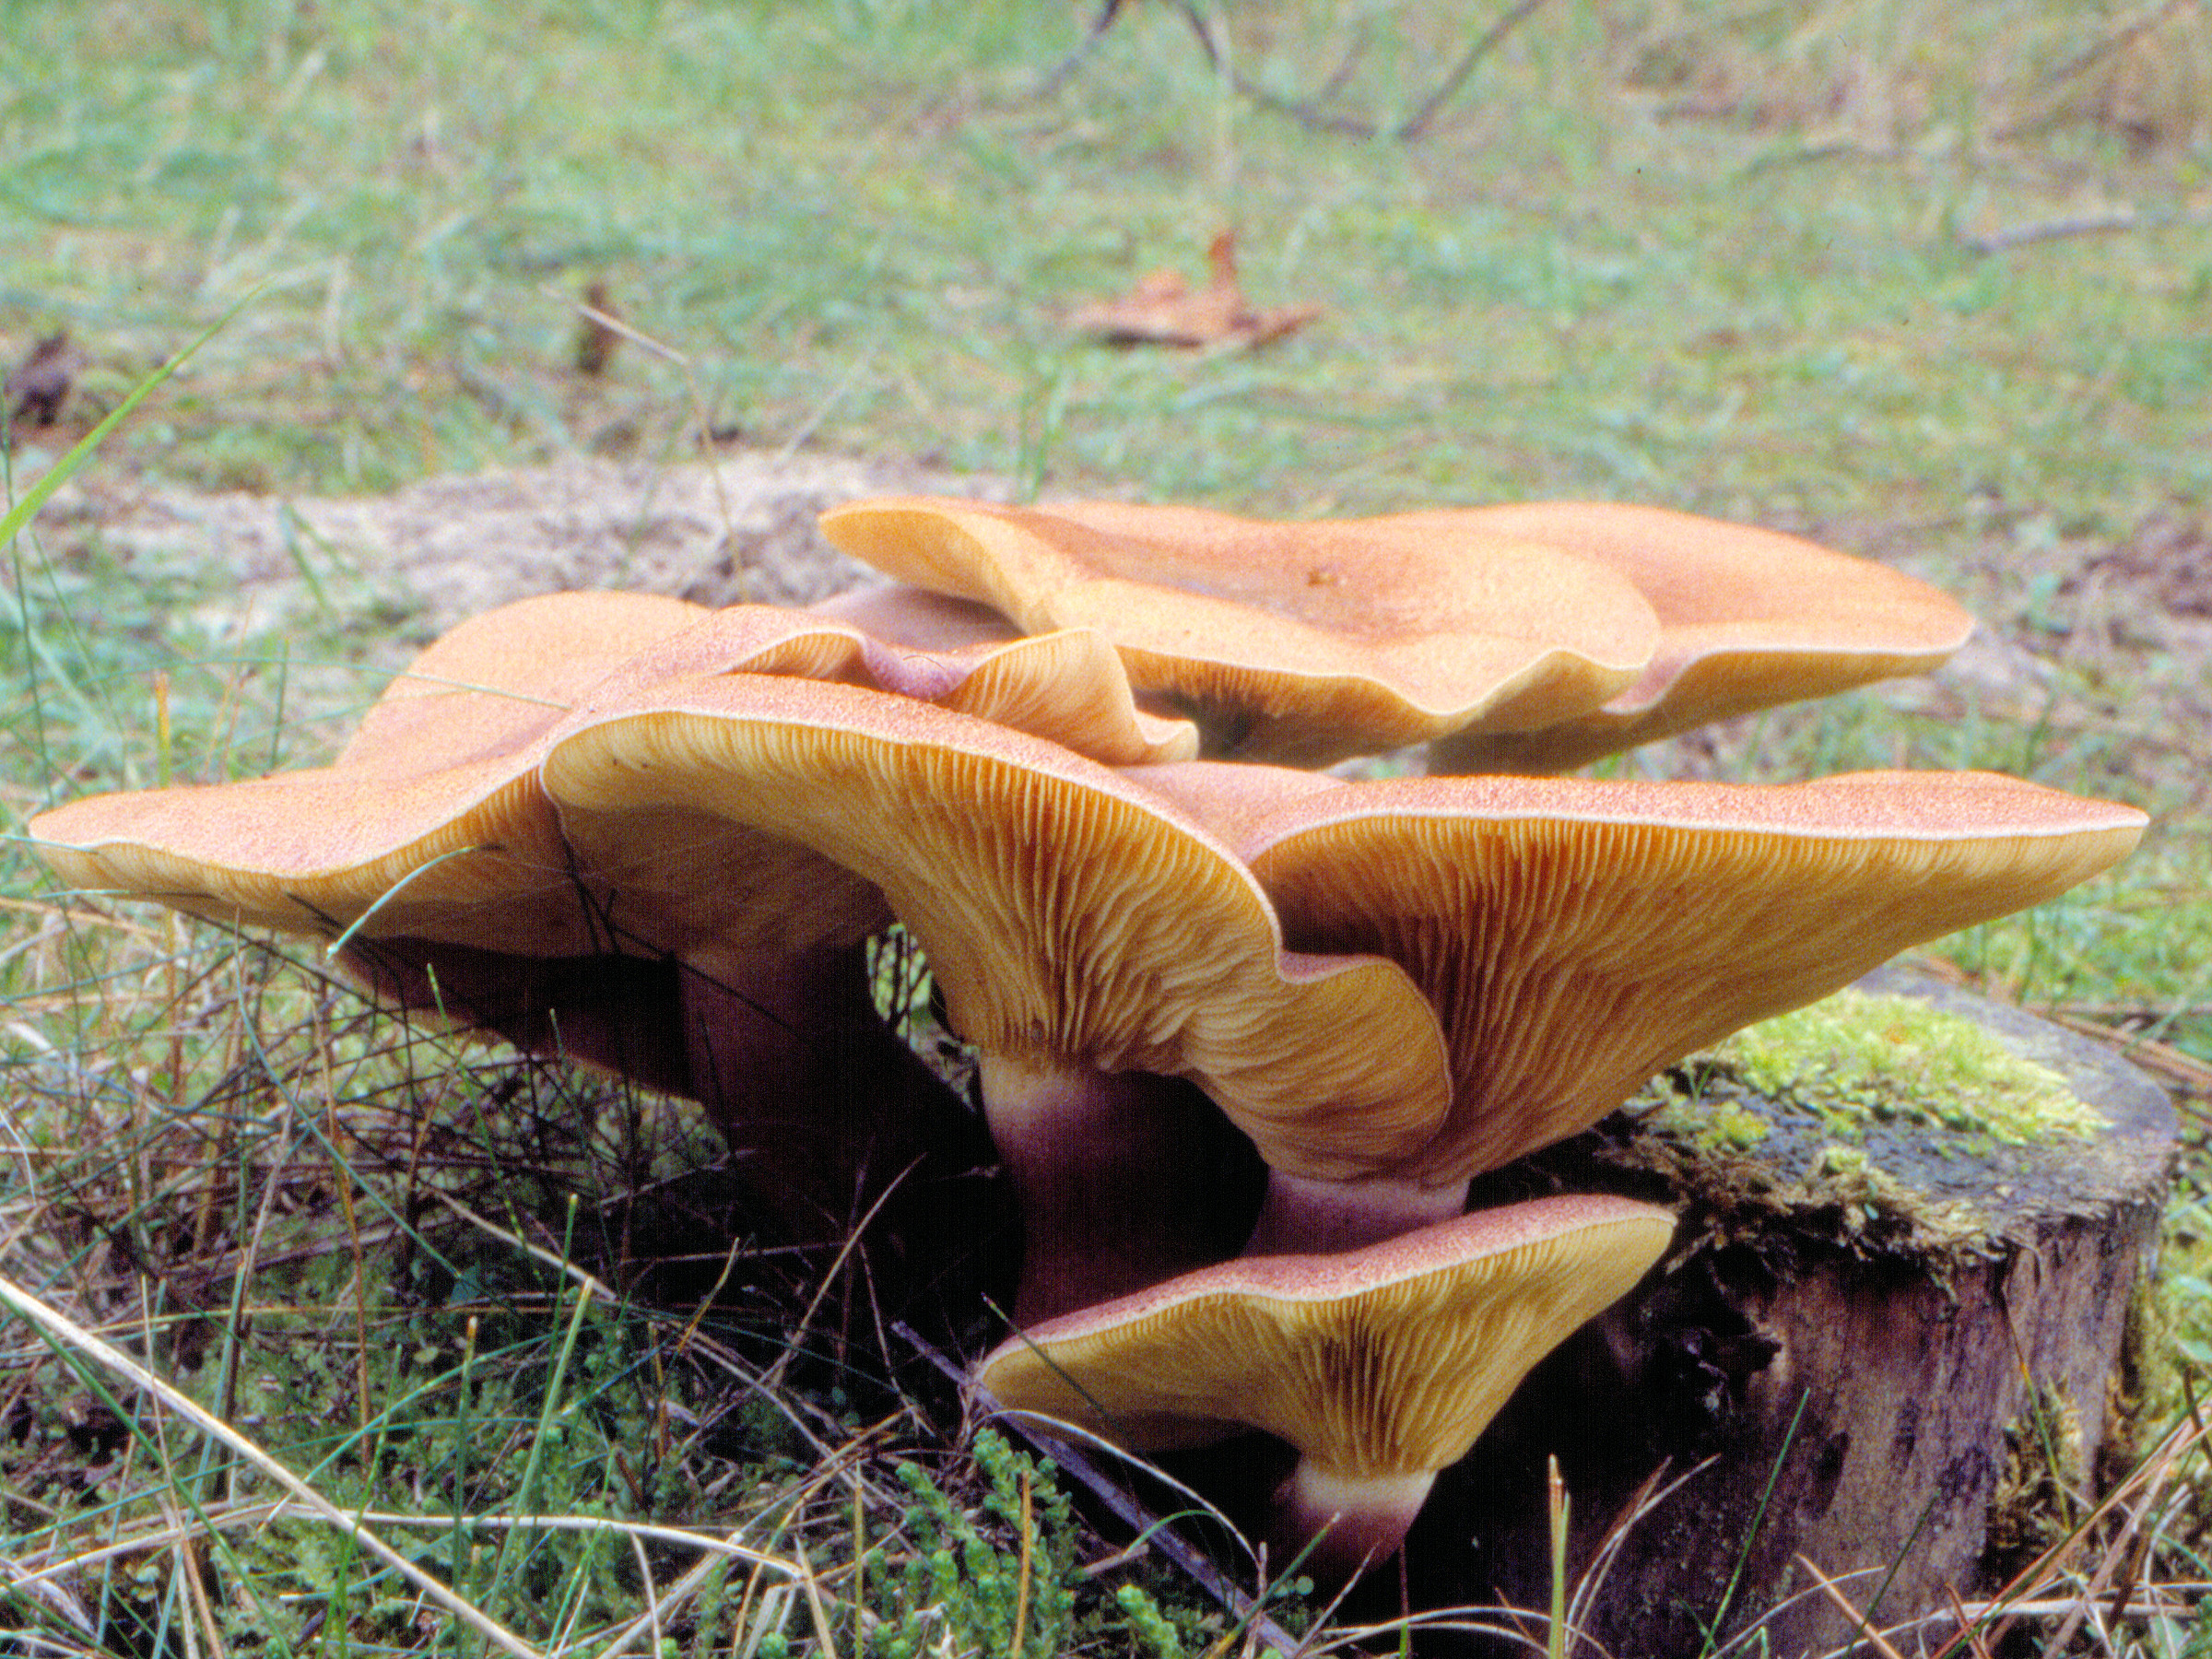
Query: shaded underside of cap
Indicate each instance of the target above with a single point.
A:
(1577, 937)
(902, 613)
(1385, 1360)
(697, 885)
(624, 1014)
(1309, 641)
(1071, 918)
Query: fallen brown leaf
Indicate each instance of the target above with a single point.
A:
(595, 336)
(36, 387)
(1164, 309)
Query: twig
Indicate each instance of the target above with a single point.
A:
(1308, 113)
(2180, 1069)
(1267, 1634)
(1055, 78)
(2087, 224)
(1417, 125)
(775, 1373)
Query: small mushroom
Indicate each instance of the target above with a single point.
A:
(1380, 1365)
(1748, 619)
(1089, 940)
(1295, 643)
(1575, 936)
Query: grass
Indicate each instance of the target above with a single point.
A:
(855, 219)
(1725, 256)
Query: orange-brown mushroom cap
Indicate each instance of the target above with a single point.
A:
(430, 824)
(430, 818)
(1301, 643)
(1067, 685)
(1748, 619)
(1071, 917)
(1380, 1365)
(1576, 937)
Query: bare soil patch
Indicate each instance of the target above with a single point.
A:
(741, 528)
(2107, 643)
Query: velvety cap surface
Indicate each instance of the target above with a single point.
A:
(1748, 618)
(1302, 642)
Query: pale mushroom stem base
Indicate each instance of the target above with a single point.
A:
(1115, 1175)
(1301, 1216)
(1351, 1521)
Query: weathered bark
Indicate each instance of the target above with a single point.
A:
(1851, 1367)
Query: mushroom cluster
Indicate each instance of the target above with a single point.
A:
(1074, 755)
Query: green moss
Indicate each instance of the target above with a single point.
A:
(1858, 1059)
(1714, 1125)
(1870, 1120)
(2031, 1509)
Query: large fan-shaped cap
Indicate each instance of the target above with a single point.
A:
(1380, 1365)
(1071, 917)
(431, 815)
(1090, 941)
(1576, 937)
(1748, 619)
(431, 819)
(1301, 643)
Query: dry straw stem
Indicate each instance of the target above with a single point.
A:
(67, 1334)
(2029, 1595)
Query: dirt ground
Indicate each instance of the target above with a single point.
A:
(437, 551)
(2106, 643)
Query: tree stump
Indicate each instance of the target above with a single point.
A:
(1856, 1341)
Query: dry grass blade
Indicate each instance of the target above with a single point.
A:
(1845, 1605)
(2026, 1596)
(1647, 1498)
(816, 1608)
(72, 1337)
(1021, 1580)
(648, 1624)
(1966, 1625)
(593, 1286)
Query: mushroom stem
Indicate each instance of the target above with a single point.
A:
(608, 1011)
(1304, 1216)
(1114, 1173)
(1351, 1522)
(821, 1102)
